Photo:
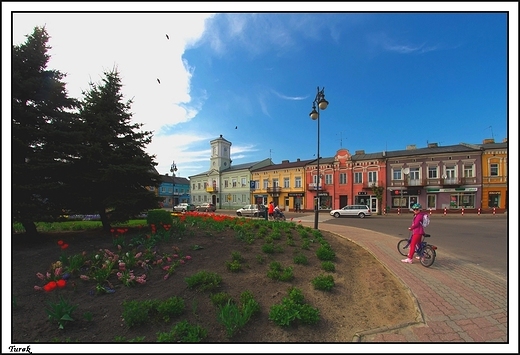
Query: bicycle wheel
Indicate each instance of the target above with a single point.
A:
(428, 256)
(402, 246)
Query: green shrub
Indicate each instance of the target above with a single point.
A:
(328, 266)
(137, 312)
(277, 272)
(220, 298)
(300, 259)
(159, 217)
(234, 266)
(204, 280)
(183, 332)
(172, 307)
(268, 248)
(293, 309)
(323, 282)
(234, 317)
(325, 253)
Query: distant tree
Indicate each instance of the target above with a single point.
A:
(114, 169)
(378, 191)
(42, 127)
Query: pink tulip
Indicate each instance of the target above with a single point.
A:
(166, 276)
(38, 288)
(187, 257)
(40, 276)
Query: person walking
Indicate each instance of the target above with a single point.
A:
(417, 230)
(270, 211)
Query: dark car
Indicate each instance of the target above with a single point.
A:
(252, 211)
(206, 207)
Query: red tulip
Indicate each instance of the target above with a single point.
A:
(60, 242)
(61, 283)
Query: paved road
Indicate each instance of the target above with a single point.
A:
(482, 240)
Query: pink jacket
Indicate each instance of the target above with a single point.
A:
(416, 226)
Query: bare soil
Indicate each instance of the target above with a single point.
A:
(365, 295)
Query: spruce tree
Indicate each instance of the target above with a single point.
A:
(42, 133)
(114, 171)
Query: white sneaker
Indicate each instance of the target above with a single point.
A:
(407, 260)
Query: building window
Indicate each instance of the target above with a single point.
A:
(234, 184)
(432, 172)
(298, 182)
(243, 182)
(358, 178)
(225, 183)
(415, 174)
(275, 183)
(372, 177)
(493, 169)
(328, 179)
(199, 185)
(431, 201)
(396, 174)
(468, 170)
(450, 172)
(266, 183)
(286, 183)
(342, 178)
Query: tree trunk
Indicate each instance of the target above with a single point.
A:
(30, 228)
(104, 219)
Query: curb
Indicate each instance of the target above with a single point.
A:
(419, 316)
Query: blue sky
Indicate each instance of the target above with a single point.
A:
(391, 79)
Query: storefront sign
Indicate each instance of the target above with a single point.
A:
(457, 189)
(292, 194)
(362, 193)
(323, 194)
(406, 192)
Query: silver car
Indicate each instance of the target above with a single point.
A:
(252, 211)
(360, 211)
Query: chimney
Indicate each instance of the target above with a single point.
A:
(411, 147)
(285, 161)
(488, 141)
(360, 151)
(297, 160)
(432, 145)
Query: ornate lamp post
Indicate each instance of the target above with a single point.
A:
(322, 104)
(173, 169)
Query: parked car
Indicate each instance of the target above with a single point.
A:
(252, 211)
(206, 207)
(360, 211)
(183, 207)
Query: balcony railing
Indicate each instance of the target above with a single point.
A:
(368, 185)
(468, 180)
(275, 189)
(415, 182)
(494, 179)
(312, 187)
(451, 181)
(211, 189)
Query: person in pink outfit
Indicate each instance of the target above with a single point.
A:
(417, 231)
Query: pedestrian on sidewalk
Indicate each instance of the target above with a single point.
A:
(270, 211)
(417, 230)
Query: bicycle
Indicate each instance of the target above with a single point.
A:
(426, 252)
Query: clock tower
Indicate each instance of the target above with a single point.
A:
(220, 154)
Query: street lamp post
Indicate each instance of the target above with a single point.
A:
(322, 104)
(173, 169)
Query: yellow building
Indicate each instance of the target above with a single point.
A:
(284, 184)
(494, 174)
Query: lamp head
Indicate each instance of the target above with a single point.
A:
(323, 104)
(314, 114)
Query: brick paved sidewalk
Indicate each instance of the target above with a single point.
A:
(457, 302)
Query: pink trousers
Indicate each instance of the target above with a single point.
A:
(416, 238)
